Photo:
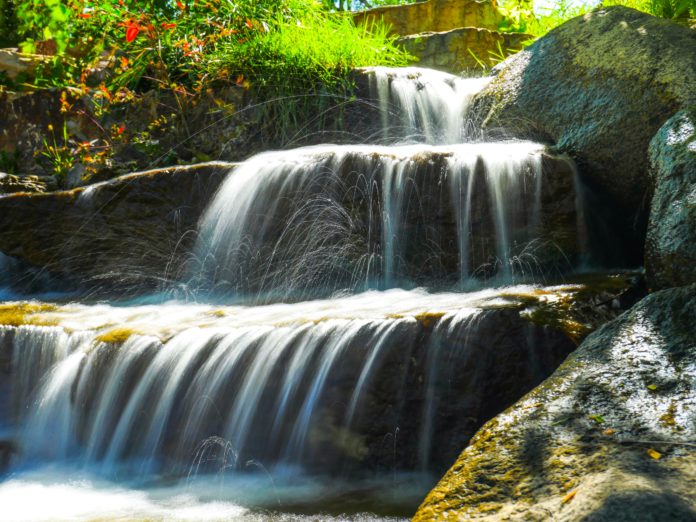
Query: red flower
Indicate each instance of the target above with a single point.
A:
(84, 15)
(166, 25)
(132, 31)
(249, 24)
(180, 5)
(121, 129)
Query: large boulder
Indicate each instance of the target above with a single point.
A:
(599, 86)
(133, 232)
(609, 436)
(670, 254)
(461, 49)
(432, 15)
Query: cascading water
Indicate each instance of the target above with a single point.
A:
(314, 221)
(381, 383)
(312, 387)
(424, 105)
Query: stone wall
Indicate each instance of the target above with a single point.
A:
(466, 48)
(434, 15)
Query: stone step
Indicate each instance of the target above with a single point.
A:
(433, 15)
(461, 49)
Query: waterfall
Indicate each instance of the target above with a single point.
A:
(287, 386)
(314, 221)
(331, 337)
(424, 105)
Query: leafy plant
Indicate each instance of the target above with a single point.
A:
(294, 53)
(58, 153)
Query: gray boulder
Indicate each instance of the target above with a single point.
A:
(599, 86)
(609, 436)
(670, 254)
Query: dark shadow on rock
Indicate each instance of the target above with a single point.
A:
(642, 506)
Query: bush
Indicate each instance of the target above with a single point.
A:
(269, 43)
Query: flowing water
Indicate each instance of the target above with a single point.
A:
(321, 380)
(184, 397)
(318, 220)
(424, 105)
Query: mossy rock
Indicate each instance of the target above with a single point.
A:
(609, 436)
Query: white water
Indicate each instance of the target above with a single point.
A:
(47, 496)
(317, 220)
(242, 396)
(424, 105)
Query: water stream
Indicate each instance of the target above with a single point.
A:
(322, 219)
(310, 374)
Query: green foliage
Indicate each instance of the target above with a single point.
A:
(8, 24)
(43, 20)
(673, 9)
(295, 54)
(317, 50)
(185, 43)
(352, 5)
(521, 16)
(58, 154)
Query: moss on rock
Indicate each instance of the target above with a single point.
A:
(588, 428)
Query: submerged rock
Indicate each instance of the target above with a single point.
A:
(609, 436)
(670, 254)
(599, 86)
(360, 217)
(133, 232)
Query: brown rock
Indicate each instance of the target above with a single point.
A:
(130, 233)
(462, 49)
(433, 15)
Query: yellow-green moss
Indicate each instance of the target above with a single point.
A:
(116, 335)
(428, 319)
(668, 419)
(18, 314)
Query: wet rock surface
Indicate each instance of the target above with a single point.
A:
(10, 184)
(132, 232)
(609, 436)
(599, 87)
(670, 255)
